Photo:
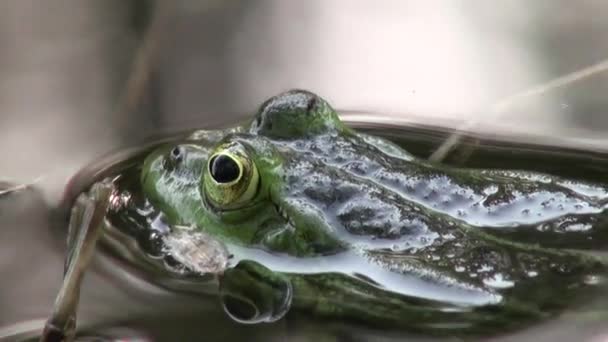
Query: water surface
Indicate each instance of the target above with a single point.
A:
(124, 297)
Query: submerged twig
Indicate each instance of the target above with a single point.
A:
(499, 107)
(86, 222)
(144, 59)
(89, 211)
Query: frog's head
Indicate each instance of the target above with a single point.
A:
(234, 184)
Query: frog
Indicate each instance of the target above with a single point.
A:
(296, 213)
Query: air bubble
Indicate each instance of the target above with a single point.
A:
(498, 281)
(532, 274)
(591, 279)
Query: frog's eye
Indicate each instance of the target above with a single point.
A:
(231, 178)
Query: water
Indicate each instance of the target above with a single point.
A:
(127, 297)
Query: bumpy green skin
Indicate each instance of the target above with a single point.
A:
(437, 248)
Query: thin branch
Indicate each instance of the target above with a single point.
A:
(20, 187)
(500, 107)
(145, 58)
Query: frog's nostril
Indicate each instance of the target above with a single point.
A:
(177, 154)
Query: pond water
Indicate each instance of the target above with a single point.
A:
(124, 300)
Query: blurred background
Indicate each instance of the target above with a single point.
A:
(79, 78)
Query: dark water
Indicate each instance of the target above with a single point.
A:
(123, 297)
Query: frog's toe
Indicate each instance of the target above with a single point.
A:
(251, 293)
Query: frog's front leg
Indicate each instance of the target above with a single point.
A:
(86, 222)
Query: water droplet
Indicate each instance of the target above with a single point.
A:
(542, 227)
(592, 279)
(159, 223)
(490, 190)
(578, 227)
(485, 268)
(448, 237)
(532, 274)
(498, 281)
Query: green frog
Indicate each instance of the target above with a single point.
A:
(297, 214)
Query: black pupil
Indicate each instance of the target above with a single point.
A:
(223, 169)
